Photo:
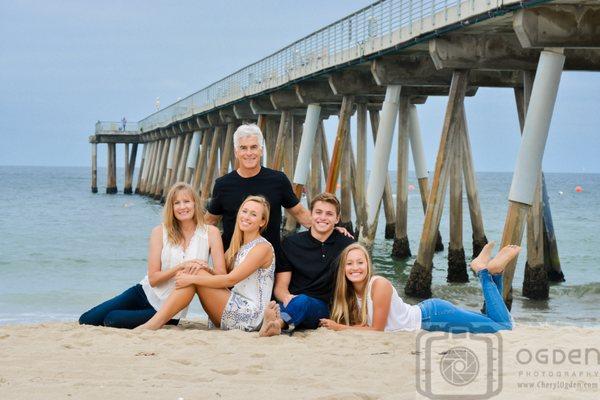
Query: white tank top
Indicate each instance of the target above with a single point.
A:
(402, 316)
(170, 257)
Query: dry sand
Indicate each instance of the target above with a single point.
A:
(64, 360)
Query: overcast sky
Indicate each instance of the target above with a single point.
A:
(66, 64)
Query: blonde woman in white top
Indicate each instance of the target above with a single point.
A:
(250, 273)
(364, 301)
(182, 243)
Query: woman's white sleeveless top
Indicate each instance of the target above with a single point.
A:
(170, 257)
(402, 316)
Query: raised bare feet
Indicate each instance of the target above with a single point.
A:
(271, 325)
(481, 261)
(503, 258)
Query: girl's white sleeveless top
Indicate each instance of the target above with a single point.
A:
(402, 316)
(170, 257)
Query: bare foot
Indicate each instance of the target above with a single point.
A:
(481, 261)
(144, 327)
(503, 258)
(271, 325)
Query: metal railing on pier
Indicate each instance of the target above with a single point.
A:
(369, 31)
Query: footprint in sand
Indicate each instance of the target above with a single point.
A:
(4, 336)
(255, 369)
(145, 353)
(183, 361)
(258, 355)
(226, 371)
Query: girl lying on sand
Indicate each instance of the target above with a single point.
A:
(364, 301)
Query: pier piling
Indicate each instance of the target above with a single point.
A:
(419, 281)
(401, 246)
(111, 179)
(94, 168)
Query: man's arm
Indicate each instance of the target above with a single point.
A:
(211, 219)
(282, 285)
(302, 215)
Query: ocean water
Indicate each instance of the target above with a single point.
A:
(64, 249)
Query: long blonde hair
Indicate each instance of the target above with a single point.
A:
(345, 307)
(237, 238)
(172, 224)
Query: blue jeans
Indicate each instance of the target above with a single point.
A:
(441, 315)
(304, 312)
(128, 310)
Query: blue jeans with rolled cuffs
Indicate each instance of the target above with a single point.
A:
(128, 310)
(441, 315)
(304, 312)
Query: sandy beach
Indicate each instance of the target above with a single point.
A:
(65, 360)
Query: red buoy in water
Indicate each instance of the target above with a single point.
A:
(578, 189)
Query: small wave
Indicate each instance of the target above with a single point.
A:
(588, 289)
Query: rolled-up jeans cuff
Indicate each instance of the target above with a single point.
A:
(288, 320)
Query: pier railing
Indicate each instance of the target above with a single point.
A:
(113, 127)
(380, 26)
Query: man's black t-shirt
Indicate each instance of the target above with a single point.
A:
(231, 189)
(313, 264)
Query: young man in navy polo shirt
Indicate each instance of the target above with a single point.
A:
(305, 276)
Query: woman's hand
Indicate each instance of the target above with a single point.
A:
(329, 324)
(193, 267)
(183, 280)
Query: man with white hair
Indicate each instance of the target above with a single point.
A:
(251, 178)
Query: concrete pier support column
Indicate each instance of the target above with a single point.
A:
(272, 128)
(177, 155)
(152, 178)
(127, 186)
(419, 160)
(111, 180)
(315, 165)
(94, 167)
(151, 184)
(551, 259)
(212, 165)
(479, 238)
(388, 202)
(324, 149)
(401, 247)
(338, 146)
(162, 188)
(307, 145)
(419, 281)
(142, 170)
(173, 145)
(150, 165)
(292, 157)
(345, 182)
(531, 151)
(192, 158)
(149, 148)
(284, 126)
(361, 165)
(227, 149)
(288, 150)
(181, 168)
(201, 162)
(457, 265)
(378, 177)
